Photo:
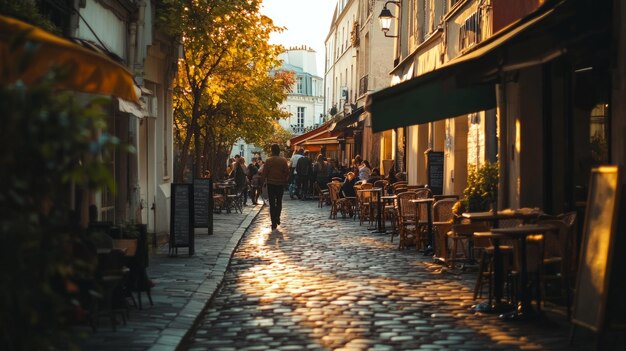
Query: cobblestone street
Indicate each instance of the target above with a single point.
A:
(330, 284)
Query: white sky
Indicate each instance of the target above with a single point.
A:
(307, 23)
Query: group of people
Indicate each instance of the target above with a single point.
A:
(359, 170)
(247, 178)
(306, 173)
(301, 171)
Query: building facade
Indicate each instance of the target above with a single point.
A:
(125, 30)
(305, 102)
(525, 85)
(357, 61)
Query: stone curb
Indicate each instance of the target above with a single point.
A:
(172, 338)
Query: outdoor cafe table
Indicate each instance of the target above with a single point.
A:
(494, 218)
(498, 281)
(429, 204)
(520, 233)
(226, 189)
(380, 228)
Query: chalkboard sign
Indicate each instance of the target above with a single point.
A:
(596, 254)
(435, 171)
(181, 222)
(201, 202)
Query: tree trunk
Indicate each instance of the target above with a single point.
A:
(197, 152)
(184, 150)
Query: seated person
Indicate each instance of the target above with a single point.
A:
(375, 176)
(347, 188)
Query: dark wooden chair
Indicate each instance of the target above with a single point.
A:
(138, 263)
(111, 278)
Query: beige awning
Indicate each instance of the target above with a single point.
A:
(137, 109)
(322, 141)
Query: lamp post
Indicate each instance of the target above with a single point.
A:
(386, 17)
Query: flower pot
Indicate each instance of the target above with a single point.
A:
(128, 245)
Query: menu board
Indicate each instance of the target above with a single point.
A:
(594, 272)
(181, 222)
(435, 171)
(201, 202)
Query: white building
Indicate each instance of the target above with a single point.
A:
(305, 103)
(341, 82)
(358, 59)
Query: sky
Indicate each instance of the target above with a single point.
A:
(307, 23)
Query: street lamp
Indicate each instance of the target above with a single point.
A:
(385, 18)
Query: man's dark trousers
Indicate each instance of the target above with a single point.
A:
(302, 184)
(275, 194)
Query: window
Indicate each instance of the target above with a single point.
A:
(598, 134)
(347, 36)
(300, 117)
(299, 85)
(469, 33)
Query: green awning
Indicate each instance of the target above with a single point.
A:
(427, 99)
(459, 87)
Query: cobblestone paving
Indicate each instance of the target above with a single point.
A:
(184, 284)
(322, 284)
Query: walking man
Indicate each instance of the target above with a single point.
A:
(276, 174)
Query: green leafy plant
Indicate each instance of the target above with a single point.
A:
(129, 230)
(481, 192)
(599, 149)
(48, 144)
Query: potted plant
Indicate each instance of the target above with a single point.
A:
(481, 193)
(129, 237)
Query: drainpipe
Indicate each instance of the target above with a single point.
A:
(141, 16)
(132, 49)
(503, 142)
(135, 63)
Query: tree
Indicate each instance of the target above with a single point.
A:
(279, 136)
(27, 11)
(224, 90)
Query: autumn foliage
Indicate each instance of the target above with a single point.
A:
(227, 85)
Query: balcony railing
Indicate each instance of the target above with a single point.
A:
(300, 129)
(363, 86)
(297, 129)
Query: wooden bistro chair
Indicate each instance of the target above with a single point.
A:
(407, 214)
(383, 184)
(400, 183)
(365, 203)
(422, 193)
(323, 195)
(138, 264)
(391, 213)
(422, 215)
(337, 203)
(554, 273)
(484, 247)
(442, 224)
(112, 277)
(357, 201)
(461, 242)
(413, 187)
